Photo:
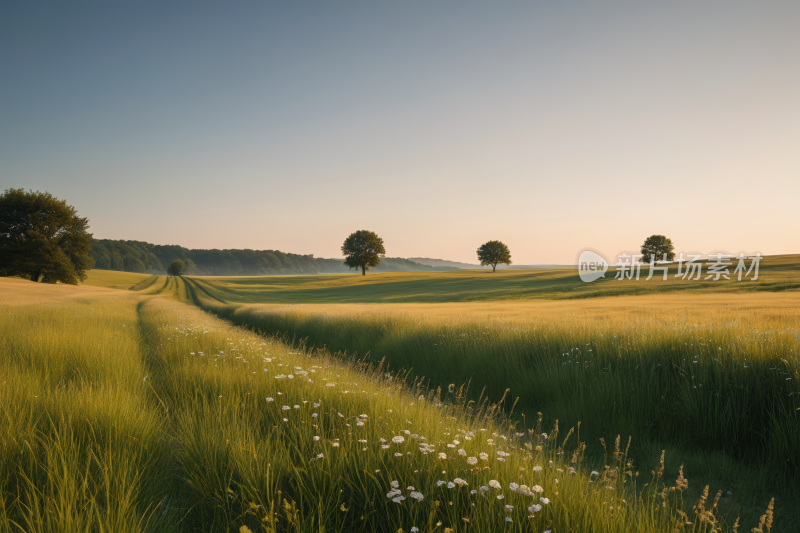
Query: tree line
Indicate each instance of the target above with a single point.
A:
(138, 256)
(43, 238)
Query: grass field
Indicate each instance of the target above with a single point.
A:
(117, 280)
(709, 370)
(777, 273)
(129, 412)
(105, 391)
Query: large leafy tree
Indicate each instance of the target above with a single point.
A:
(176, 268)
(493, 253)
(363, 249)
(42, 237)
(657, 246)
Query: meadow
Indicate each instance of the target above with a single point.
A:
(709, 367)
(777, 274)
(165, 418)
(130, 412)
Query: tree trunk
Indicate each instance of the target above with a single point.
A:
(494, 267)
(363, 271)
(35, 276)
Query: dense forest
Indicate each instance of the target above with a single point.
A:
(138, 256)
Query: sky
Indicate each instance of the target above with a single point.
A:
(438, 125)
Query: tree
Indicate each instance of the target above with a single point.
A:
(656, 246)
(43, 237)
(176, 268)
(363, 249)
(493, 253)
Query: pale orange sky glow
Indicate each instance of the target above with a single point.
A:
(549, 128)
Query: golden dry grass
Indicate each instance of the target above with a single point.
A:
(776, 274)
(16, 292)
(761, 310)
(113, 279)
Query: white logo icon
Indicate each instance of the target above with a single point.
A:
(591, 266)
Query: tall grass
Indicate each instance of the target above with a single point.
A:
(726, 388)
(136, 414)
(243, 413)
(80, 447)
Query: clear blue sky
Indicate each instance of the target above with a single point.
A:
(438, 125)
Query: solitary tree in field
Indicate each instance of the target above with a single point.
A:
(363, 249)
(493, 253)
(655, 246)
(176, 268)
(42, 237)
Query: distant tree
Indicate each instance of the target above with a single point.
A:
(176, 268)
(656, 246)
(42, 237)
(363, 249)
(493, 253)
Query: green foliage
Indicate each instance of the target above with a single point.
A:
(494, 253)
(176, 268)
(111, 255)
(42, 237)
(657, 246)
(363, 249)
(129, 256)
(134, 264)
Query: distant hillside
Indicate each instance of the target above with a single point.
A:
(542, 266)
(444, 263)
(468, 266)
(138, 256)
